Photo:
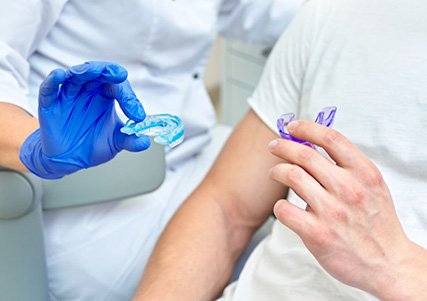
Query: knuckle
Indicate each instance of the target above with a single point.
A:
(332, 137)
(373, 177)
(335, 212)
(306, 154)
(354, 194)
(320, 238)
(294, 174)
(357, 196)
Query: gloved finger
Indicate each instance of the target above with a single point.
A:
(112, 74)
(131, 143)
(79, 75)
(48, 91)
(126, 98)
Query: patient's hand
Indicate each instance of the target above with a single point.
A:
(350, 224)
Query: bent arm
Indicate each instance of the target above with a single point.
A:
(15, 126)
(208, 233)
(23, 25)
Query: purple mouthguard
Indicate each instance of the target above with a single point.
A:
(324, 117)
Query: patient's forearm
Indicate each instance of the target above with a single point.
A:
(197, 252)
(15, 126)
(186, 265)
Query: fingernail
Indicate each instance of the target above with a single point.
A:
(272, 144)
(278, 207)
(292, 125)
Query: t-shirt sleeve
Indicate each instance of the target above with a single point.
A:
(281, 85)
(23, 24)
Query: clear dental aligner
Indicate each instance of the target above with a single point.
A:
(324, 117)
(167, 129)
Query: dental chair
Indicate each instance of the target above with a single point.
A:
(23, 273)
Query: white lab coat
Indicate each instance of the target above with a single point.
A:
(164, 44)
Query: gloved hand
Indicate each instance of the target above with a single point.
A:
(79, 126)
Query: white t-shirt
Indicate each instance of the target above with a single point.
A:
(368, 58)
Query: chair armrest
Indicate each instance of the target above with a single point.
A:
(128, 174)
(19, 192)
(23, 273)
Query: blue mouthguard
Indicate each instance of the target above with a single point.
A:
(167, 129)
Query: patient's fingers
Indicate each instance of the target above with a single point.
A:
(339, 148)
(306, 157)
(297, 219)
(301, 183)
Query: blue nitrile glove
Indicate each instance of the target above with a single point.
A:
(79, 126)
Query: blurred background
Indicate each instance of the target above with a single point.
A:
(232, 73)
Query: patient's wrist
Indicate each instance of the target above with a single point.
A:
(406, 278)
(15, 126)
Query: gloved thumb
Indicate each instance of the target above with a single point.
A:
(132, 143)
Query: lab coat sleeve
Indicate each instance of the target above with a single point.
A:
(256, 21)
(23, 25)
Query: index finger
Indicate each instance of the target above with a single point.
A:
(126, 98)
(339, 148)
(88, 71)
(79, 75)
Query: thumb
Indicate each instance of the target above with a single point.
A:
(48, 91)
(132, 143)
